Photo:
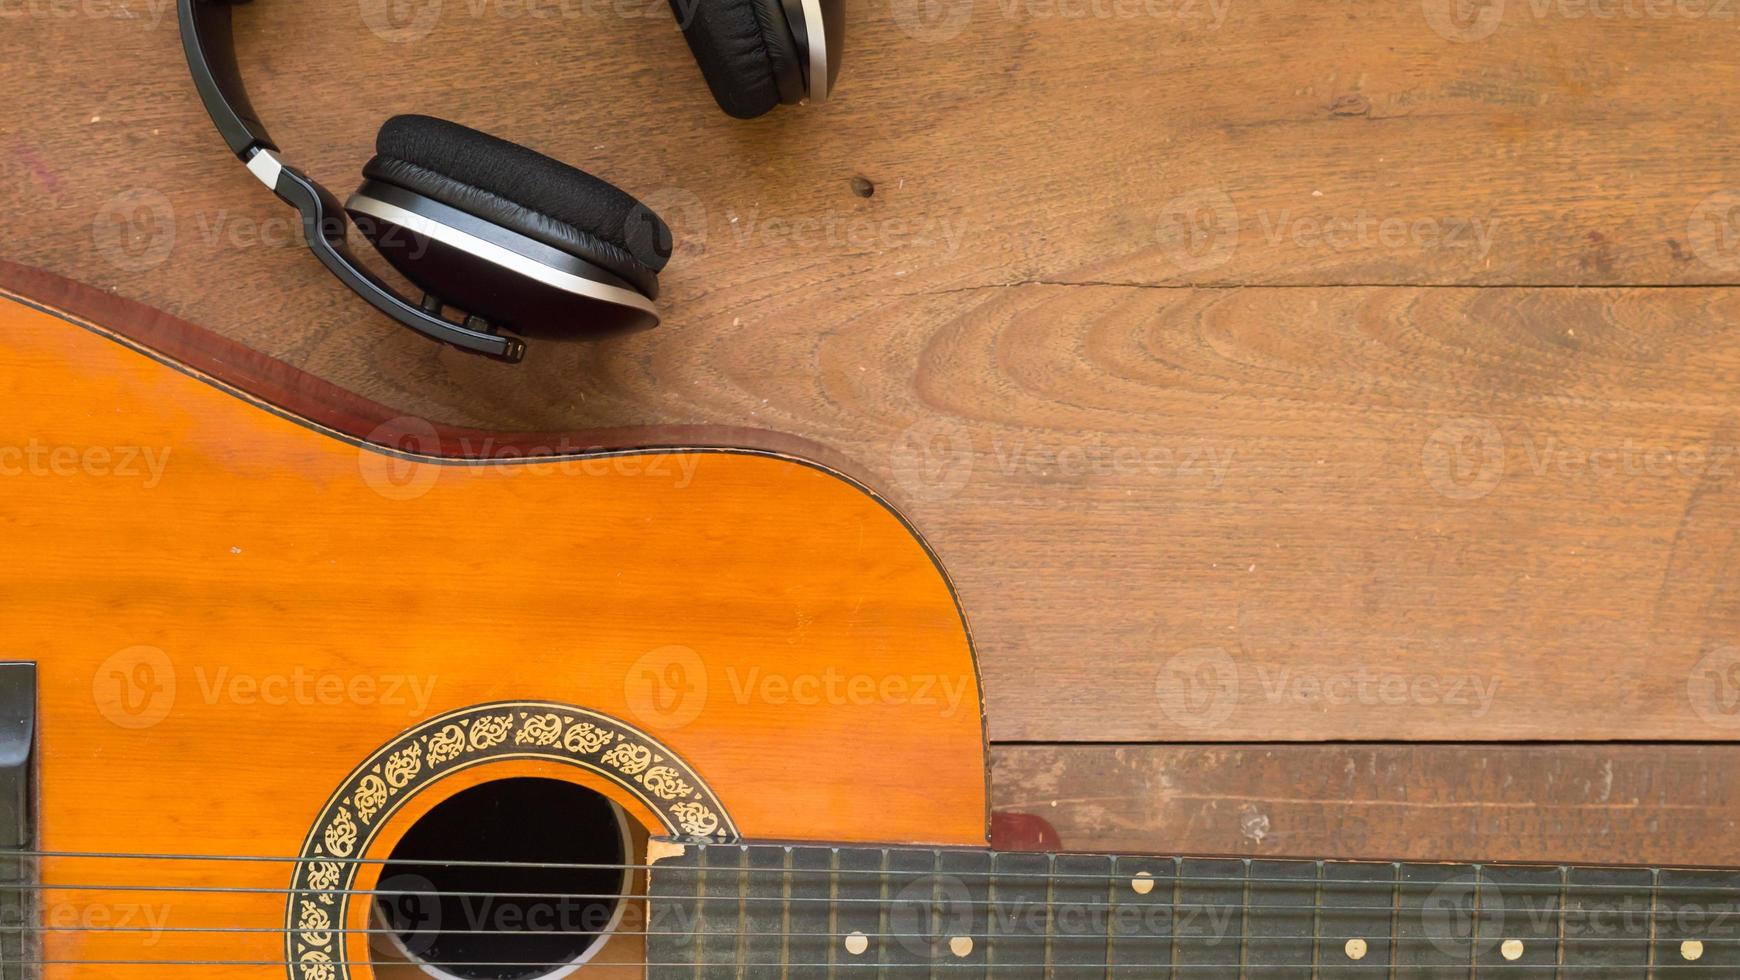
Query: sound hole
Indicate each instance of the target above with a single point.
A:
(518, 907)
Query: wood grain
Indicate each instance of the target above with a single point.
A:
(1596, 804)
(235, 613)
(1140, 427)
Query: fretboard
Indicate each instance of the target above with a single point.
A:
(809, 912)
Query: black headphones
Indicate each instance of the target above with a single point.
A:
(510, 236)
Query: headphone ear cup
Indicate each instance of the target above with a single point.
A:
(746, 51)
(503, 231)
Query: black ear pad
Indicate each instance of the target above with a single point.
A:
(524, 191)
(746, 52)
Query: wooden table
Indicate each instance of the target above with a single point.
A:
(1270, 375)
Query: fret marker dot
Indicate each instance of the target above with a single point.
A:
(1691, 949)
(1143, 883)
(1355, 949)
(1512, 949)
(961, 946)
(856, 944)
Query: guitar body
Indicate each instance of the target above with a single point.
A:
(255, 636)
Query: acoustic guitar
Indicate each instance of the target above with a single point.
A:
(281, 700)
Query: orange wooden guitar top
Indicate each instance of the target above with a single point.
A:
(232, 608)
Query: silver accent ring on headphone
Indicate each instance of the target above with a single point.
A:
(495, 254)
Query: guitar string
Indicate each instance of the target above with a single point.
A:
(885, 968)
(1094, 877)
(776, 934)
(1559, 911)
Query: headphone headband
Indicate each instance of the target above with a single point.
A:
(208, 40)
(210, 45)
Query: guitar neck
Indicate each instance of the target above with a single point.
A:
(803, 912)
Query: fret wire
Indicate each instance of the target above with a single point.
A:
(785, 920)
(1395, 913)
(1177, 886)
(1564, 899)
(1474, 931)
(1245, 917)
(1050, 893)
(1111, 920)
(743, 908)
(882, 916)
(935, 898)
(833, 908)
(1655, 884)
(990, 897)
